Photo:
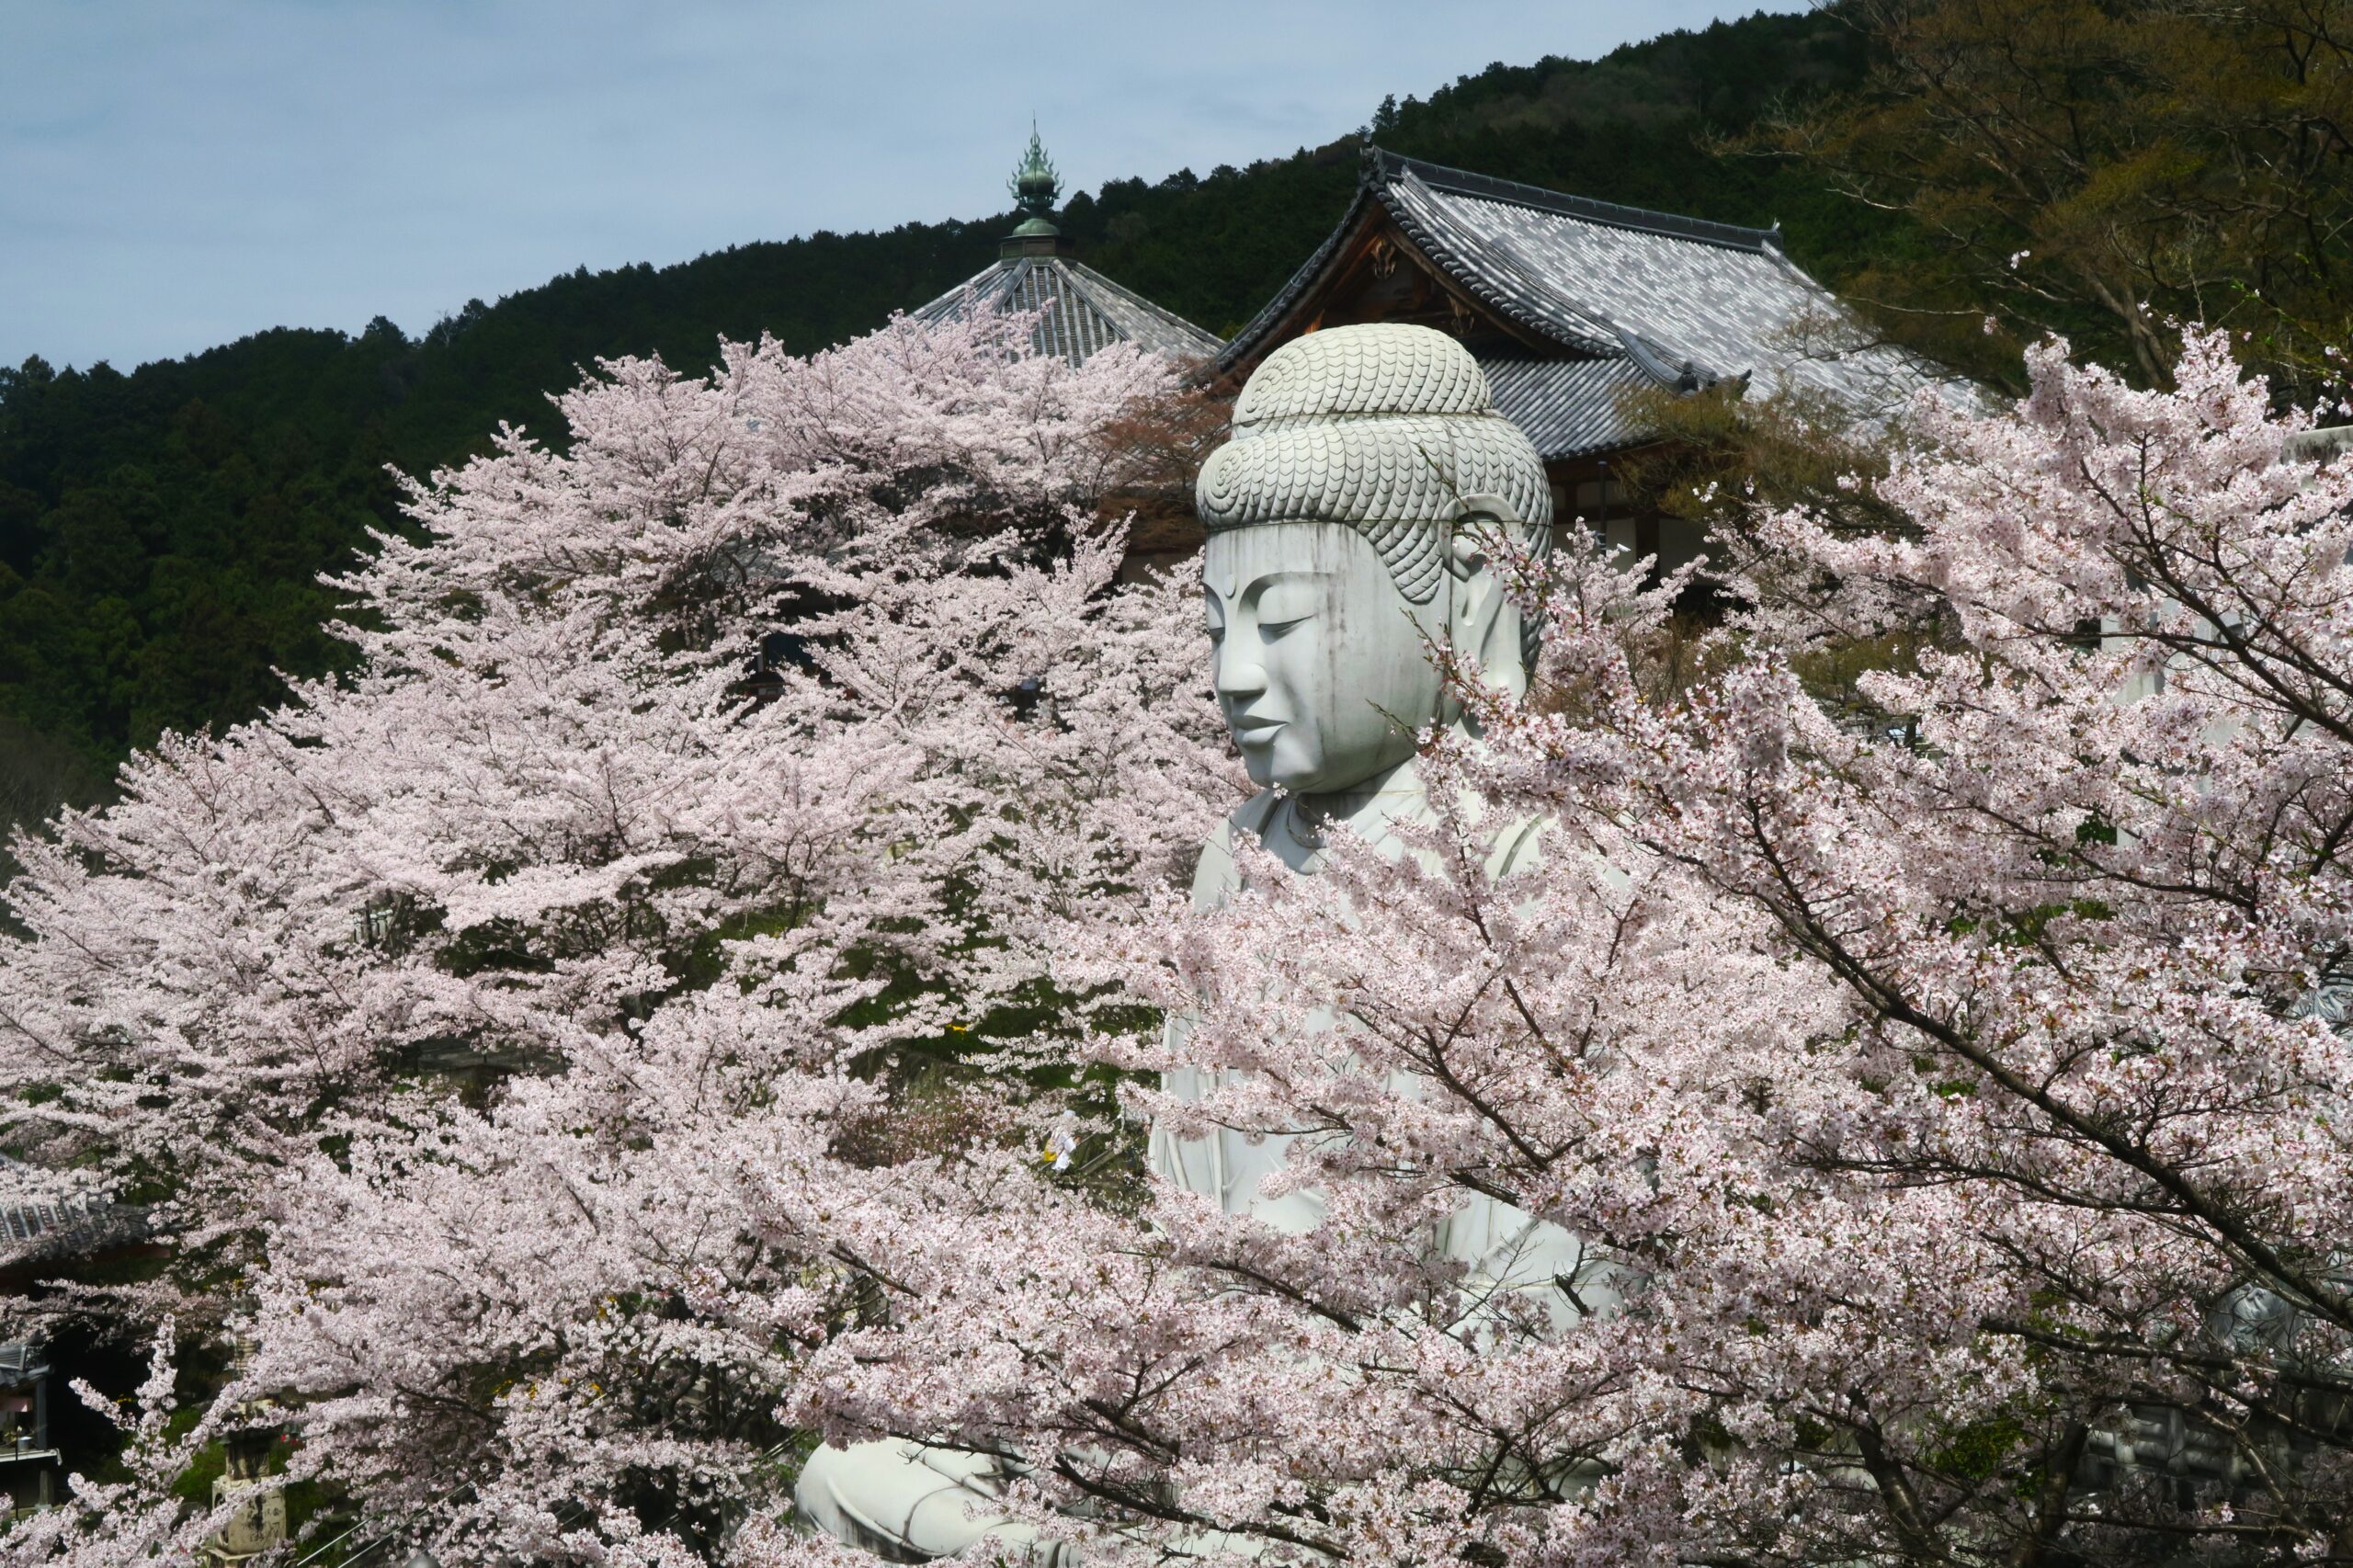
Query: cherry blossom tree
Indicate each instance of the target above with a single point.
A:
(1950, 1104)
(507, 1038)
(579, 1080)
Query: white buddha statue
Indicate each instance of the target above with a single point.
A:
(1348, 521)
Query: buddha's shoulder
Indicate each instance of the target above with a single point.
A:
(1514, 846)
(1217, 874)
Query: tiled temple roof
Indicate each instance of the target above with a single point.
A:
(1567, 407)
(1621, 296)
(39, 1221)
(1084, 311)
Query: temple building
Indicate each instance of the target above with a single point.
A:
(1084, 311)
(1569, 304)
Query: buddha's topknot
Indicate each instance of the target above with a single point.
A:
(1385, 427)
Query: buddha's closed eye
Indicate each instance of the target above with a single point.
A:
(1284, 603)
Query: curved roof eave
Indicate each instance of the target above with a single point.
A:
(1467, 263)
(1386, 165)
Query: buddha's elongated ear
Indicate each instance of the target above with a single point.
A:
(1481, 621)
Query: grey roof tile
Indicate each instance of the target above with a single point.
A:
(1567, 407)
(37, 1220)
(1628, 296)
(1083, 312)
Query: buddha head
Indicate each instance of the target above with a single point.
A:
(1348, 521)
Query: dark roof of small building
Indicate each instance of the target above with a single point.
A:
(39, 1221)
(1609, 297)
(1082, 311)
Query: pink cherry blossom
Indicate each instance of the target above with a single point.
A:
(583, 1086)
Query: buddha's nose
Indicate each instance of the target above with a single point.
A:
(1238, 676)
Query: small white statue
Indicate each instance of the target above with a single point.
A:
(1347, 523)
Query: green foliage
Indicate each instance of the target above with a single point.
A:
(195, 1484)
(2105, 169)
(162, 532)
(1977, 1451)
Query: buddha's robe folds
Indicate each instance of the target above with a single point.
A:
(1499, 1245)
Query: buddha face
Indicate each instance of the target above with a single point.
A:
(1319, 668)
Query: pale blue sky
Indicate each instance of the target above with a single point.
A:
(175, 174)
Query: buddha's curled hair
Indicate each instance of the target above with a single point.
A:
(1383, 428)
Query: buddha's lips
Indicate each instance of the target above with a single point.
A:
(1248, 731)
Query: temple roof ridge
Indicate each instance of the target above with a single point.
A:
(1382, 166)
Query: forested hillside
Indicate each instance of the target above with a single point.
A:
(160, 531)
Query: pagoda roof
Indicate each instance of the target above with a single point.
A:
(1081, 311)
(1597, 298)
